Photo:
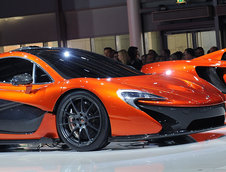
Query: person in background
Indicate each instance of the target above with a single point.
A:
(115, 55)
(153, 56)
(150, 57)
(134, 57)
(151, 51)
(165, 54)
(199, 51)
(143, 59)
(108, 52)
(124, 57)
(189, 54)
(176, 56)
(212, 49)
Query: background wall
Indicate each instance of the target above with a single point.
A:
(95, 24)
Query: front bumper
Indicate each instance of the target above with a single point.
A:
(177, 121)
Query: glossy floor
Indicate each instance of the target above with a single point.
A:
(205, 156)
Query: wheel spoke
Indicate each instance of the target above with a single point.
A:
(69, 113)
(76, 116)
(82, 104)
(74, 108)
(79, 134)
(87, 133)
(91, 126)
(96, 112)
(72, 132)
(93, 117)
(89, 108)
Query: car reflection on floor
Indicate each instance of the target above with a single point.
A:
(199, 137)
(199, 152)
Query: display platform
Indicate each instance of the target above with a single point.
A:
(204, 152)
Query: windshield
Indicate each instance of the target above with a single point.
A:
(74, 63)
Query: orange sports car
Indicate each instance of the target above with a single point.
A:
(86, 100)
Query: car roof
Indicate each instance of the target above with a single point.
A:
(37, 48)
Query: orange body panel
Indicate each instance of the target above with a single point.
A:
(124, 119)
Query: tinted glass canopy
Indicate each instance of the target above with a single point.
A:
(75, 63)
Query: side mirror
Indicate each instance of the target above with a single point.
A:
(22, 79)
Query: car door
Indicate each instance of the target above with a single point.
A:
(20, 109)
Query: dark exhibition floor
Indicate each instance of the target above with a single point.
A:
(202, 156)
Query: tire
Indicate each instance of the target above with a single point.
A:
(82, 121)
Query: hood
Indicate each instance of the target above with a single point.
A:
(178, 92)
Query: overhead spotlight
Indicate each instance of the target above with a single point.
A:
(181, 2)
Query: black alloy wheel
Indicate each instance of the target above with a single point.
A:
(82, 121)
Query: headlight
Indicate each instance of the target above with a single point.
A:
(130, 96)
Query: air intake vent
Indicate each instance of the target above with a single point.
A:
(206, 123)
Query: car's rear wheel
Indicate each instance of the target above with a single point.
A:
(82, 121)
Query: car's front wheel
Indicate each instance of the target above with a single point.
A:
(82, 121)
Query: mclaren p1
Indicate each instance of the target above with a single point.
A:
(86, 100)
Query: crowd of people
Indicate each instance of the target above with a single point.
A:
(132, 56)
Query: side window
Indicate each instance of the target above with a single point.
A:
(10, 67)
(224, 57)
(41, 76)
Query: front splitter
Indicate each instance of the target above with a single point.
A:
(158, 136)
